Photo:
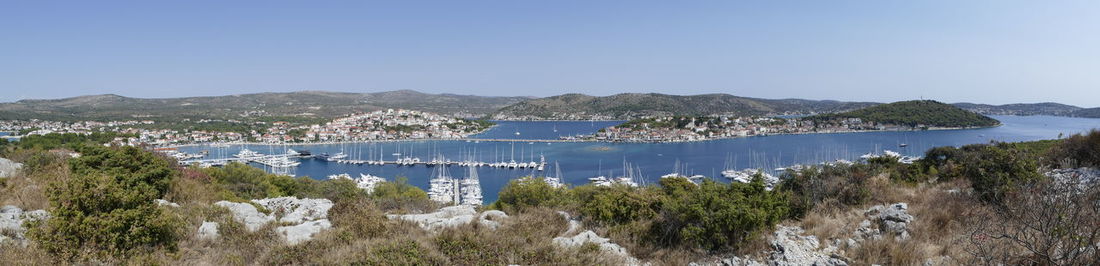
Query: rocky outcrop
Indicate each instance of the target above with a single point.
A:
(9, 168)
(294, 210)
(492, 218)
(246, 214)
(11, 223)
(789, 248)
(591, 237)
(208, 231)
(574, 224)
(1083, 176)
(161, 202)
(295, 234)
(453, 216)
(301, 218)
(792, 248)
(892, 219)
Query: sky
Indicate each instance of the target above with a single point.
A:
(985, 51)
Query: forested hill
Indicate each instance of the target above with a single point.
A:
(914, 113)
(632, 105)
(315, 104)
(1090, 113)
(1055, 109)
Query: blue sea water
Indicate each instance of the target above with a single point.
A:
(581, 160)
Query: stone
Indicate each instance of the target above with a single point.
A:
(492, 218)
(11, 223)
(161, 202)
(893, 219)
(574, 225)
(302, 218)
(9, 168)
(792, 248)
(247, 214)
(735, 261)
(294, 210)
(445, 217)
(295, 234)
(604, 244)
(208, 231)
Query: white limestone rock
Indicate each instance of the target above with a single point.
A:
(11, 223)
(247, 214)
(161, 202)
(295, 234)
(294, 210)
(444, 217)
(793, 248)
(9, 168)
(492, 218)
(208, 231)
(304, 217)
(893, 219)
(604, 243)
(574, 225)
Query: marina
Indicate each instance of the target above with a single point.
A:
(578, 161)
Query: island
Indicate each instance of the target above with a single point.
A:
(898, 116)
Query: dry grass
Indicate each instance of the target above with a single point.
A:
(27, 189)
(938, 229)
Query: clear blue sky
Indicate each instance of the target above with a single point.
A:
(994, 51)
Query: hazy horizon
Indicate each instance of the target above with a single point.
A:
(989, 52)
(332, 91)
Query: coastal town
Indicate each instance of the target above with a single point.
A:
(685, 128)
(389, 124)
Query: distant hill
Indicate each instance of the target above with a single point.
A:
(914, 113)
(632, 105)
(318, 104)
(1055, 109)
(1090, 113)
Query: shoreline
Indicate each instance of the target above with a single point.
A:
(547, 140)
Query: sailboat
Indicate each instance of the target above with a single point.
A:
(471, 189)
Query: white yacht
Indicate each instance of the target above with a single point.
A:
(471, 189)
(368, 182)
(340, 176)
(246, 153)
(443, 187)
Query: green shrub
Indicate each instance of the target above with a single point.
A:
(1078, 150)
(716, 216)
(844, 185)
(248, 182)
(399, 195)
(106, 209)
(522, 194)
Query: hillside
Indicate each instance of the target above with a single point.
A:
(1090, 113)
(1054, 109)
(914, 113)
(632, 105)
(309, 104)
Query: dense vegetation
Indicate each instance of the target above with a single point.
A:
(914, 113)
(66, 140)
(1090, 113)
(634, 105)
(677, 214)
(1054, 109)
(247, 107)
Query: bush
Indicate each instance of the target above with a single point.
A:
(526, 193)
(106, 210)
(400, 195)
(716, 216)
(1078, 150)
(248, 182)
(842, 185)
